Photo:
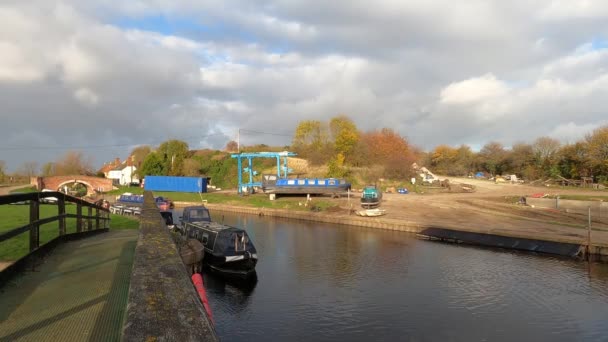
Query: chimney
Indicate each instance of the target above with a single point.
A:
(117, 161)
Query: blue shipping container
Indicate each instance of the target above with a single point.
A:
(176, 184)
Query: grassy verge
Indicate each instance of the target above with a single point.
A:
(256, 201)
(24, 190)
(15, 216)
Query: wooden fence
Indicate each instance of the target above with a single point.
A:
(100, 219)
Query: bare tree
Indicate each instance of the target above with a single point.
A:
(2, 170)
(29, 169)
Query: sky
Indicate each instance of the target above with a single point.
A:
(102, 76)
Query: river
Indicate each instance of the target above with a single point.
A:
(323, 282)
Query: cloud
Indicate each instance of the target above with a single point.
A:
(475, 89)
(104, 76)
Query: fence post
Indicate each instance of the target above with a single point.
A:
(61, 213)
(589, 235)
(96, 218)
(34, 227)
(89, 220)
(79, 217)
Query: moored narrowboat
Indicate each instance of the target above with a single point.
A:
(228, 250)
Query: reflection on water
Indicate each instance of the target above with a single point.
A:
(338, 283)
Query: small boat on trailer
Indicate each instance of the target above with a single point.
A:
(272, 184)
(228, 250)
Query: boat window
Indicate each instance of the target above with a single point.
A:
(199, 215)
(240, 241)
(301, 181)
(205, 238)
(291, 182)
(332, 182)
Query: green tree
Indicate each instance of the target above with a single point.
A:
(152, 166)
(172, 154)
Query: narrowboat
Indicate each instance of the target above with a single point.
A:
(371, 197)
(228, 250)
(272, 184)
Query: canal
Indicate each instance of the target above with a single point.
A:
(327, 282)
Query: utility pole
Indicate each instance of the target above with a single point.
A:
(238, 141)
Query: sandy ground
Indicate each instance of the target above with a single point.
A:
(488, 210)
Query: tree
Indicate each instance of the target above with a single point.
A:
(345, 135)
(172, 154)
(310, 141)
(492, 157)
(597, 147)
(191, 167)
(2, 171)
(139, 154)
(574, 161)
(388, 149)
(443, 159)
(520, 161)
(232, 146)
(48, 169)
(152, 166)
(545, 150)
(73, 163)
(29, 169)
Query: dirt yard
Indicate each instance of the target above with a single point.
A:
(492, 208)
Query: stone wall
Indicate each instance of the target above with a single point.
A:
(163, 304)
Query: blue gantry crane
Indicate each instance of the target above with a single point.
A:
(282, 170)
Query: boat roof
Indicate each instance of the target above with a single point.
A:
(215, 226)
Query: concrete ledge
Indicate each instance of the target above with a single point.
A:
(163, 305)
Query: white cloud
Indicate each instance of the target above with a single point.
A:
(87, 97)
(475, 89)
(436, 71)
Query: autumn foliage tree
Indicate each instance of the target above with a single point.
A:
(597, 149)
(388, 149)
(73, 163)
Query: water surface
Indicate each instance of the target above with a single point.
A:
(323, 282)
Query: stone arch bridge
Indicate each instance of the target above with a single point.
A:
(93, 184)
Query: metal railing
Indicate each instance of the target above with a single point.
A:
(93, 221)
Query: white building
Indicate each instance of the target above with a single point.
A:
(124, 175)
